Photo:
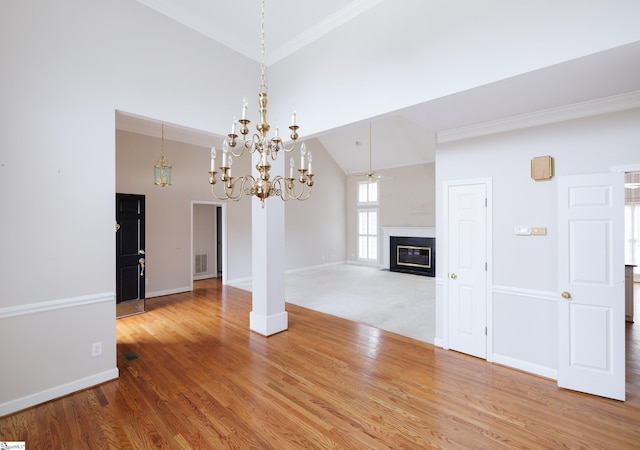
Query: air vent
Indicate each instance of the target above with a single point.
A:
(130, 356)
(201, 265)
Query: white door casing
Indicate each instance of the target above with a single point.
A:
(591, 353)
(466, 307)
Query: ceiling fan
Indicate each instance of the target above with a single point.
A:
(371, 175)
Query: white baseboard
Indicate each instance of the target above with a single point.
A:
(57, 392)
(204, 276)
(318, 266)
(239, 281)
(168, 292)
(525, 366)
(244, 280)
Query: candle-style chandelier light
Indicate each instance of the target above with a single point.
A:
(267, 148)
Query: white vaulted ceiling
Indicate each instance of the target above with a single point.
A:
(291, 24)
(406, 136)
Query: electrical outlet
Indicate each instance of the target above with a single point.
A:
(96, 349)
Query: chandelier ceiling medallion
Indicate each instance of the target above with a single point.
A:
(162, 169)
(266, 148)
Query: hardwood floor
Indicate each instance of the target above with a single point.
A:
(203, 380)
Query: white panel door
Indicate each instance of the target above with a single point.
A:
(467, 276)
(591, 282)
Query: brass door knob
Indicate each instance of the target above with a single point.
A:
(141, 261)
(454, 276)
(566, 295)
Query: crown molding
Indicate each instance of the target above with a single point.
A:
(614, 103)
(344, 15)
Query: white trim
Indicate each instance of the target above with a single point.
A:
(351, 10)
(52, 305)
(614, 103)
(268, 325)
(168, 292)
(318, 266)
(239, 281)
(57, 392)
(626, 168)
(204, 277)
(525, 366)
(549, 296)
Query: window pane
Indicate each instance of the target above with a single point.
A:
(362, 247)
(373, 247)
(362, 192)
(373, 222)
(362, 222)
(373, 191)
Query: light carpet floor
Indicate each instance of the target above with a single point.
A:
(391, 301)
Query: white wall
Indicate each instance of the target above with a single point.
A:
(407, 199)
(315, 228)
(525, 268)
(67, 67)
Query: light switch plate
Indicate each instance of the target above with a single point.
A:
(539, 231)
(523, 230)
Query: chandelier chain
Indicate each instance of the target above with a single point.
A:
(262, 46)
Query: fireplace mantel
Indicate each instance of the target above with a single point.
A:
(387, 232)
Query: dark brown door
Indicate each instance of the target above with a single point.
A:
(130, 254)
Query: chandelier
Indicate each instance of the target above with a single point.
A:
(267, 148)
(162, 169)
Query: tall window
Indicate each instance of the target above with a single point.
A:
(368, 220)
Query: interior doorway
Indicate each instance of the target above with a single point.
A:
(208, 241)
(130, 254)
(632, 221)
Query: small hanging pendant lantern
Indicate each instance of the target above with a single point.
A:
(162, 169)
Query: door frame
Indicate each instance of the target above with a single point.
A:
(223, 207)
(488, 182)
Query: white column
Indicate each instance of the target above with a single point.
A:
(268, 315)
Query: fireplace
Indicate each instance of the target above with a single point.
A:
(416, 255)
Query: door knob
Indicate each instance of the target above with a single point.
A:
(141, 252)
(141, 261)
(566, 295)
(454, 276)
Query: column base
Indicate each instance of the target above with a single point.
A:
(268, 325)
